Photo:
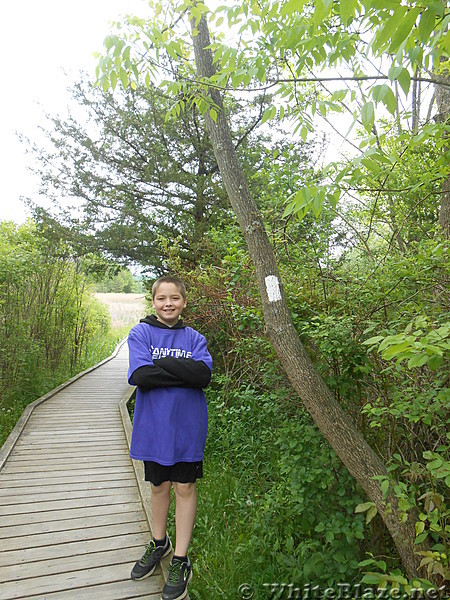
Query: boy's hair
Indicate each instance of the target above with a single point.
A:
(170, 279)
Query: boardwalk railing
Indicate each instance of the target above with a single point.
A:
(74, 510)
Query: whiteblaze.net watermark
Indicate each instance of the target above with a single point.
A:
(342, 591)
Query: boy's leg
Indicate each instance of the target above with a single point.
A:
(185, 511)
(156, 550)
(160, 508)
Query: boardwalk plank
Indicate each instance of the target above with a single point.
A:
(122, 513)
(17, 495)
(62, 449)
(45, 466)
(122, 590)
(72, 479)
(42, 568)
(59, 474)
(97, 505)
(80, 442)
(63, 537)
(29, 456)
(20, 556)
(70, 581)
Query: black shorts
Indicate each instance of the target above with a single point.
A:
(180, 472)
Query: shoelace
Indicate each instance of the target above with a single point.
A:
(149, 551)
(174, 571)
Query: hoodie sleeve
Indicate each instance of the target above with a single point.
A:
(194, 373)
(149, 377)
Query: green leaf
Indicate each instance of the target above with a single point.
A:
(318, 203)
(371, 514)
(389, 28)
(321, 10)
(417, 360)
(395, 350)
(384, 94)
(390, 101)
(113, 78)
(123, 76)
(435, 464)
(379, 92)
(291, 6)
(363, 507)
(435, 362)
(404, 28)
(422, 537)
(105, 83)
(394, 72)
(404, 504)
(372, 578)
(368, 116)
(126, 53)
(398, 579)
(347, 10)
(329, 536)
(420, 526)
(404, 80)
(373, 340)
(109, 42)
(426, 25)
(268, 114)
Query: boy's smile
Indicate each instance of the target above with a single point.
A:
(168, 303)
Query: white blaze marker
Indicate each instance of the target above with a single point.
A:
(273, 288)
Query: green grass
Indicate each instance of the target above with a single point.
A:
(229, 546)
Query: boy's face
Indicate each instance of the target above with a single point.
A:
(168, 303)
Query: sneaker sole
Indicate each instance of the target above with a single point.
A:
(136, 578)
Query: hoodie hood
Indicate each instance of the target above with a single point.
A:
(152, 320)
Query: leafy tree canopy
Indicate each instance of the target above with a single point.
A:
(135, 176)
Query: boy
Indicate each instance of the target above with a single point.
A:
(169, 364)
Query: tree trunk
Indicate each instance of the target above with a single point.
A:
(443, 106)
(334, 423)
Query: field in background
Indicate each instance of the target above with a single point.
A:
(125, 309)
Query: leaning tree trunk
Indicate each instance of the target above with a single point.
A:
(333, 422)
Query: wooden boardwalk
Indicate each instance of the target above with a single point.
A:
(72, 522)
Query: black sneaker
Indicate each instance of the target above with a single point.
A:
(151, 559)
(180, 574)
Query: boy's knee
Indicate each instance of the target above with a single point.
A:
(163, 488)
(184, 490)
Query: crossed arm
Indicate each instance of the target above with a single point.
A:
(173, 372)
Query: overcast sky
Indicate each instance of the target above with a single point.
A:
(39, 40)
